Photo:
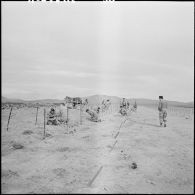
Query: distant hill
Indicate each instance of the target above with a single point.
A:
(149, 102)
(47, 101)
(9, 100)
(97, 99)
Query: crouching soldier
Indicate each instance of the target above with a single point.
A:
(123, 111)
(123, 107)
(94, 115)
(98, 110)
(52, 118)
(162, 108)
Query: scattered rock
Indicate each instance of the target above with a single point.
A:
(48, 135)
(27, 132)
(64, 149)
(134, 165)
(60, 172)
(151, 182)
(17, 146)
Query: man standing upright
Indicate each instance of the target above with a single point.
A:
(124, 103)
(162, 108)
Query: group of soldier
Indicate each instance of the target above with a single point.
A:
(53, 118)
(125, 107)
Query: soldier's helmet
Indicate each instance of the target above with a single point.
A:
(87, 110)
(52, 109)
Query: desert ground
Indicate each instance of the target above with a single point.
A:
(67, 158)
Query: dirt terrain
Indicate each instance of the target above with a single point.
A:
(68, 159)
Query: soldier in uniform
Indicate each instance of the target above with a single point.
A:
(123, 107)
(135, 107)
(94, 115)
(162, 108)
(123, 111)
(52, 118)
(124, 103)
(98, 110)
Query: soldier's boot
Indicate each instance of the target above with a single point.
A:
(165, 125)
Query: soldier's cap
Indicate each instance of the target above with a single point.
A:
(52, 109)
(160, 97)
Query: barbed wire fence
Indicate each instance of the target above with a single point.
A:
(38, 115)
(72, 116)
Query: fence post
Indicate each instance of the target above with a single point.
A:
(36, 115)
(44, 121)
(67, 118)
(80, 115)
(9, 118)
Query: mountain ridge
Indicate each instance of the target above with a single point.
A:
(97, 99)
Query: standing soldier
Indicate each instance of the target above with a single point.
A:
(135, 106)
(128, 105)
(123, 107)
(124, 103)
(162, 108)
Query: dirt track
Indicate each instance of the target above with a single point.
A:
(65, 163)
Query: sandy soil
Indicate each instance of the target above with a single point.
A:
(67, 160)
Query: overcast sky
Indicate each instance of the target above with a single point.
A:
(127, 49)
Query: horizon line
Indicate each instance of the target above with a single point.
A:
(93, 95)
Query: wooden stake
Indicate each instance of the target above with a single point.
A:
(36, 115)
(89, 184)
(80, 115)
(116, 135)
(67, 118)
(113, 145)
(9, 118)
(44, 121)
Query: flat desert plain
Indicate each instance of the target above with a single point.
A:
(67, 159)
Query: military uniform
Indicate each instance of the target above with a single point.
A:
(94, 115)
(123, 111)
(123, 107)
(124, 103)
(52, 120)
(162, 108)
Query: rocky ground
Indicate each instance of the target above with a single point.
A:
(67, 159)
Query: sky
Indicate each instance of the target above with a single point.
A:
(125, 49)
